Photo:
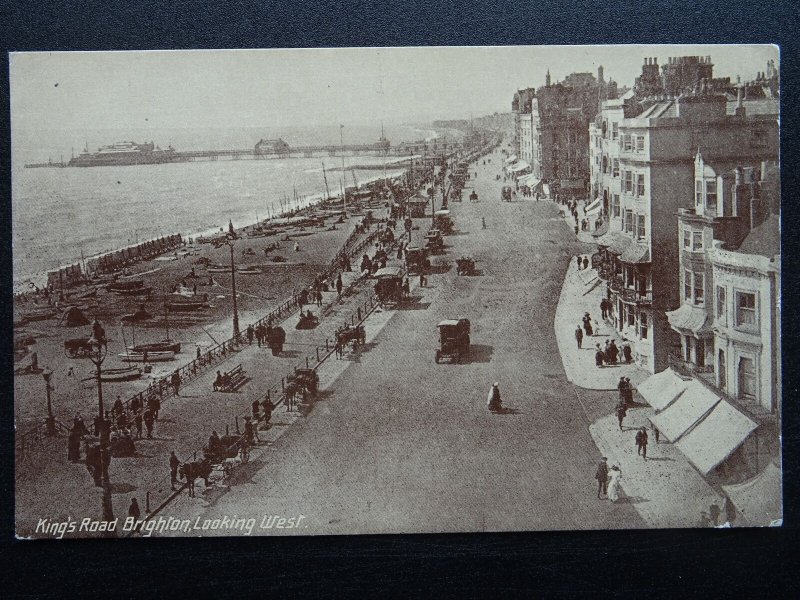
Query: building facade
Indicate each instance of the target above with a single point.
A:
(638, 254)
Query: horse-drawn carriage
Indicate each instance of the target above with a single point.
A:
(443, 221)
(303, 382)
(465, 265)
(389, 287)
(416, 259)
(220, 456)
(276, 337)
(78, 347)
(351, 335)
(434, 242)
(507, 192)
(307, 320)
(454, 340)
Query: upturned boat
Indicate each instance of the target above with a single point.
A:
(159, 356)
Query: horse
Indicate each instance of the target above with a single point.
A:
(191, 471)
(291, 391)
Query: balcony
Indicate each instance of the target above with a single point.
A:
(615, 283)
(633, 296)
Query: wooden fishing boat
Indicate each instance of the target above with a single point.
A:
(249, 271)
(218, 269)
(151, 356)
(39, 314)
(118, 375)
(162, 346)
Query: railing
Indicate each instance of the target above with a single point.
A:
(637, 297)
(605, 272)
(615, 283)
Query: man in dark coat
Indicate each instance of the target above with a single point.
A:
(579, 336)
(149, 419)
(133, 509)
(339, 285)
(602, 477)
(599, 357)
(641, 442)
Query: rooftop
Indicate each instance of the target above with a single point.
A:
(765, 239)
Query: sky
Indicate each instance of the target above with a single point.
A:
(262, 88)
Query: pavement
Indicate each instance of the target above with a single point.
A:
(398, 443)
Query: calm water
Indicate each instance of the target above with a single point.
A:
(59, 213)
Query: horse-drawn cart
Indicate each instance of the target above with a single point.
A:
(415, 259)
(454, 340)
(78, 347)
(465, 266)
(389, 287)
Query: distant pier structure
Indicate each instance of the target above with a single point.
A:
(273, 149)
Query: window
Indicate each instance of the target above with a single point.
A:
(721, 308)
(615, 205)
(640, 184)
(614, 131)
(745, 309)
(698, 192)
(615, 163)
(629, 221)
(687, 239)
(711, 194)
(627, 186)
(697, 240)
(640, 231)
(747, 378)
(640, 143)
(626, 142)
(699, 285)
(687, 285)
(643, 325)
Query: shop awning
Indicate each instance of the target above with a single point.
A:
(520, 166)
(594, 206)
(662, 389)
(511, 159)
(690, 318)
(692, 405)
(635, 254)
(530, 180)
(602, 230)
(615, 241)
(716, 437)
(759, 499)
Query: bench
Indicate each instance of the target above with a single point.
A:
(232, 380)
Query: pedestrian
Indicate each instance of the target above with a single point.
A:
(603, 308)
(138, 422)
(614, 477)
(319, 296)
(580, 262)
(148, 422)
(198, 353)
(174, 463)
(579, 336)
(133, 509)
(641, 442)
(118, 407)
(250, 433)
(339, 285)
(255, 409)
(626, 353)
(621, 413)
(621, 389)
(576, 229)
(601, 475)
(297, 246)
(607, 352)
(587, 324)
(493, 401)
(585, 262)
(599, 357)
(613, 352)
(714, 512)
(154, 403)
(628, 392)
(175, 380)
(267, 404)
(250, 335)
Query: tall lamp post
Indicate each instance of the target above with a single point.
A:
(50, 422)
(230, 240)
(99, 346)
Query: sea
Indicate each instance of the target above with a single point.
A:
(60, 215)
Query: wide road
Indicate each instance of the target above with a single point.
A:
(401, 444)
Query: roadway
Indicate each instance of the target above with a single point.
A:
(398, 443)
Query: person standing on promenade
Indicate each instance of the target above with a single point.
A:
(149, 419)
(641, 442)
(250, 335)
(174, 463)
(613, 483)
(339, 285)
(175, 380)
(137, 419)
(587, 324)
(599, 357)
(579, 336)
(621, 413)
(133, 509)
(601, 475)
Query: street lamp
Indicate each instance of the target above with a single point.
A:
(99, 346)
(51, 421)
(230, 240)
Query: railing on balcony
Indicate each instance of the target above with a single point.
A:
(615, 283)
(637, 296)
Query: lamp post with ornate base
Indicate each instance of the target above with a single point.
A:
(99, 347)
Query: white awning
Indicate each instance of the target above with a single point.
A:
(692, 405)
(759, 499)
(530, 180)
(594, 206)
(716, 437)
(662, 389)
(511, 159)
(520, 166)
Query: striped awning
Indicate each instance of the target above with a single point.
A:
(690, 318)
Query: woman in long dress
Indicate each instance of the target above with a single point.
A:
(614, 475)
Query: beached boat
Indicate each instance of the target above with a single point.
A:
(218, 269)
(134, 287)
(151, 356)
(249, 271)
(38, 314)
(117, 375)
(162, 346)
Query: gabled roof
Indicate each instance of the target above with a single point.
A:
(765, 239)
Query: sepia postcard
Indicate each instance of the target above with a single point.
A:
(396, 290)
